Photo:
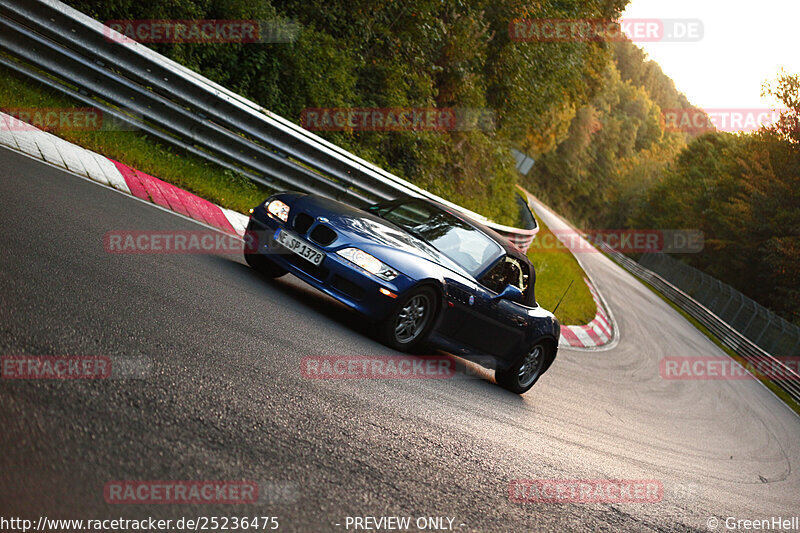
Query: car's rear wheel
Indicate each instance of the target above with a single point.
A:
(408, 325)
(520, 377)
(263, 265)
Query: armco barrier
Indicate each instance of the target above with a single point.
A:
(769, 331)
(63, 48)
(731, 338)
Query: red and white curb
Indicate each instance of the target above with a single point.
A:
(47, 147)
(598, 332)
(602, 332)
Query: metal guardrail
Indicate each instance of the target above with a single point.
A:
(768, 330)
(731, 338)
(81, 57)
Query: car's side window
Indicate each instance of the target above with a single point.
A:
(508, 271)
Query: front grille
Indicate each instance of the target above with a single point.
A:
(302, 222)
(348, 288)
(323, 235)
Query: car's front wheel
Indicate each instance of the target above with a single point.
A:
(263, 265)
(520, 377)
(408, 325)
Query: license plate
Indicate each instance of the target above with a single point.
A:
(300, 247)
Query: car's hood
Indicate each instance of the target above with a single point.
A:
(359, 226)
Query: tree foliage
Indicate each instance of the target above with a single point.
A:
(618, 166)
(427, 53)
(616, 146)
(743, 192)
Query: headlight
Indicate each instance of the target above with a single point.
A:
(279, 210)
(368, 263)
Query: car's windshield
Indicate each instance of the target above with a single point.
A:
(467, 246)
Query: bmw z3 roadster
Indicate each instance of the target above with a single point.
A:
(425, 273)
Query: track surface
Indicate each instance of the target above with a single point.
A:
(226, 399)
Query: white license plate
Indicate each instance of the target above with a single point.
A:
(300, 247)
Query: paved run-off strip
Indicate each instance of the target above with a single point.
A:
(51, 149)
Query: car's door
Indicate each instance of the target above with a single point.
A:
(491, 325)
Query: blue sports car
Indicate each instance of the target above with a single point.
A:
(425, 273)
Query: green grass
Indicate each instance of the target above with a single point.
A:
(779, 392)
(555, 268)
(139, 150)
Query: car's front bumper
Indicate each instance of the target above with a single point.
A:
(335, 276)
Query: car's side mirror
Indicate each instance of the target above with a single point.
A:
(512, 293)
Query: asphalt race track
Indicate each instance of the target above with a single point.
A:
(225, 398)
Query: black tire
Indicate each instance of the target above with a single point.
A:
(524, 374)
(407, 327)
(264, 266)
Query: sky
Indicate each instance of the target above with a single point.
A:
(744, 43)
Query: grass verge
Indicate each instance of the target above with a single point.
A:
(779, 392)
(555, 268)
(137, 149)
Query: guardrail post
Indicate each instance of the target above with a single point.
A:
(738, 310)
(796, 349)
(731, 298)
(766, 327)
(752, 317)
